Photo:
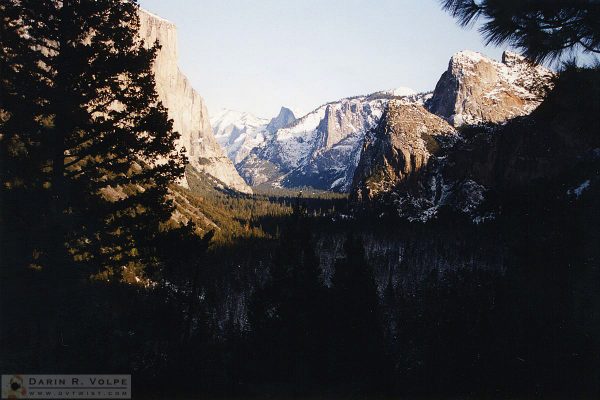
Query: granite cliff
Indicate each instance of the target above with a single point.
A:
(476, 89)
(399, 148)
(186, 107)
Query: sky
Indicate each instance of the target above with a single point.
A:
(259, 55)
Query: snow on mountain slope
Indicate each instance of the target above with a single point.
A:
(239, 132)
(322, 148)
(400, 92)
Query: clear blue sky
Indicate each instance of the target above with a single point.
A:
(258, 55)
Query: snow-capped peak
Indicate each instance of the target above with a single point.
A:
(239, 132)
(401, 92)
(467, 56)
(225, 117)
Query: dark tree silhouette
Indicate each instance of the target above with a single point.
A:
(82, 114)
(288, 314)
(357, 355)
(88, 155)
(544, 30)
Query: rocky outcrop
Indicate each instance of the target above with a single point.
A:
(283, 119)
(476, 89)
(185, 106)
(396, 153)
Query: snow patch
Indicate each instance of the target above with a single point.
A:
(579, 189)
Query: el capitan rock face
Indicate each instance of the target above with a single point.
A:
(476, 89)
(185, 106)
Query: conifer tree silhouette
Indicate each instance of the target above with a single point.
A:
(544, 30)
(87, 144)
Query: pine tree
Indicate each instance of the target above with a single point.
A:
(544, 29)
(288, 314)
(99, 146)
(22, 131)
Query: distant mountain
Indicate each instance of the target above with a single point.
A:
(322, 148)
(186, 107)
(283, 119)
(239, 132)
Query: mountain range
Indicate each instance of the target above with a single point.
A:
(310, 151)
(323, 148)
(392, 146)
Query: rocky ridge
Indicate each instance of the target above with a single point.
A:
(322, 148)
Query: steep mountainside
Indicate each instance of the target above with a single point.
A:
(548, 156)
(185, 106)
(477, 89)
(322, 148)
